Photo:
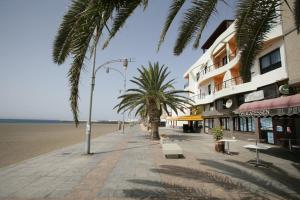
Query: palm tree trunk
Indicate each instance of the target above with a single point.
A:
(154, 130)
(154, 121)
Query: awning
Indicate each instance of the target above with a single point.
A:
(187, 118)
(285, 105)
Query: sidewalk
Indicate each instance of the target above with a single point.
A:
(131, 166)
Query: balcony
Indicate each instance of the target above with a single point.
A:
(216, 69)
(233, 86)
(229, 83)
(198, 97)
(226, 88)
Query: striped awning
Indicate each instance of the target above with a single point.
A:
(285, 105)
(187, 118)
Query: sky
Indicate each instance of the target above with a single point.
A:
(33, 87)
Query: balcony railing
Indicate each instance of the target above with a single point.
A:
(214, 66)
(229, 83)
(198, 96)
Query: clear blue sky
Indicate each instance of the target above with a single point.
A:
(33, 87)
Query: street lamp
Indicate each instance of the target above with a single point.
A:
(89, 124)
(124, 89)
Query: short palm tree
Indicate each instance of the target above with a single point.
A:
(255, 18)
(154, 94)
(80, 30)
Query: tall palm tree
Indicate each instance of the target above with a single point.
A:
(80, 31)
(154, 94)
(255, 19)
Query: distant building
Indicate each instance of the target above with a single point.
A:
(256, 108)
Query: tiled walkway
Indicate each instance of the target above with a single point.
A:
(131, 166)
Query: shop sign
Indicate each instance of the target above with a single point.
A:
(286, 111)
(256, 113)
(272, 112)
(254, 96)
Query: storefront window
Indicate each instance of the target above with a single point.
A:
(266, 123)
(244, 124)
(224, 123)
(209, 123)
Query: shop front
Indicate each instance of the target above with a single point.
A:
(192, 123)
(278, 119)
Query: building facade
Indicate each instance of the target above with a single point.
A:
(246, 108)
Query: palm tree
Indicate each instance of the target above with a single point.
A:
(255, 18)
(80, 31)
(153, 95)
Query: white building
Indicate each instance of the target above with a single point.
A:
(219, 90)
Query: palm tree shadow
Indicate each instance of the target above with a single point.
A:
(276, 173)
(242, 174)
(203, 176)
(226, 183)
(282, 153)
(166, 191)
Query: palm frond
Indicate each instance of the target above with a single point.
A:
(255, 19)
(195, 20)
(154, 94)
(173, 10)
(122, 15)
(62, 41)
(75, 34)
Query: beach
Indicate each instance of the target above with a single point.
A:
(23, 141)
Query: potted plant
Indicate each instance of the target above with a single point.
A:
(218, 135)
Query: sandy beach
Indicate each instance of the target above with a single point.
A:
(23, 141)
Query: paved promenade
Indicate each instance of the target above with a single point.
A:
(131, 166)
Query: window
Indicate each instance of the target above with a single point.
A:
(198, 76)
(209, 123)
(244, 124)
(211, 106)
(205, 69)
(270, 61)
(224, 123)
(209, 89)
(224, 60)
(266, 123)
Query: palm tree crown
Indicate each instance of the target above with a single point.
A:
(153, 95)
(255, 19)
(80, 30)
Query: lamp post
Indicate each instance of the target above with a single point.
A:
(124, 88)
(89, 123)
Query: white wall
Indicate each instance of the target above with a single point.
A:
(258, 80)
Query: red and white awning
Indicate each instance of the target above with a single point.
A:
(285, 105)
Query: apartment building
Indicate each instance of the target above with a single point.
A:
(259, 108)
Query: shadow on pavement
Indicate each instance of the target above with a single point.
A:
(224, 182)
(282, 153)
(166, 191)
(273, 172)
